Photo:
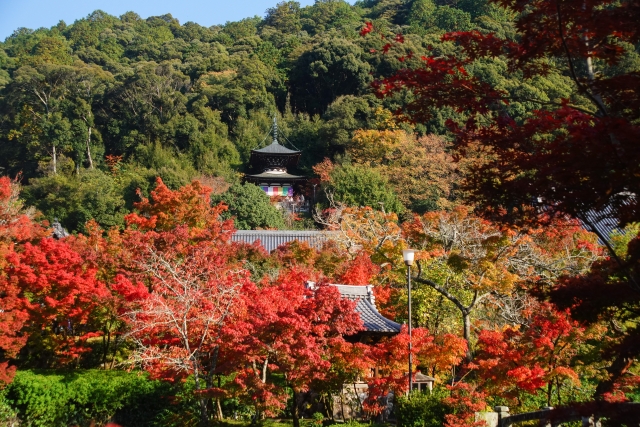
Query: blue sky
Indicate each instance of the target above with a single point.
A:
(46, 13)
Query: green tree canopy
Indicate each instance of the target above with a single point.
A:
(332, 68)
(356, 185)
(250, 208)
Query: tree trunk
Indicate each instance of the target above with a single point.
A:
(204, 412)
(89, 148)
(220, 415)
(355, 392)
(329, 406)
(466, 319)
(295, 412)
(264, 370)
(55, 161)
(115, 350)
(106, 342)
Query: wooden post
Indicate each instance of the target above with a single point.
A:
(503, 413)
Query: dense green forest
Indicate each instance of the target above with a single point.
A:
(94, 110)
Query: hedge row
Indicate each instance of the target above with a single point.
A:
(80, 398)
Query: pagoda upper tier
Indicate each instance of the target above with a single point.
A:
(273, 160)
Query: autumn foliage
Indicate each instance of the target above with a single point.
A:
(570, 155)
(194, 304)
(48, 291)
(436, 355)
(539, 357)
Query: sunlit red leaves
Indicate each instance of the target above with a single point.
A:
(195, 290)
(437, 355)
(464, 401)
(359, 271)
(324, 169)
(16, 228)
(297, 331)
(59, 288)
(514, 360)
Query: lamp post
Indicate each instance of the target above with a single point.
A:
(407, 256)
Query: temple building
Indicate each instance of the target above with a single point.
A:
(273, 161)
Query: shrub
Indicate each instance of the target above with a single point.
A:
(423, 409)
(50, 399)
(8, 415)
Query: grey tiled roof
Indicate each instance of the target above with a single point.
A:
(275, 148)
(366, 306)
(603, 222)
(271, 239)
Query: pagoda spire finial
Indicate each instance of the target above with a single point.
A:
(275, 129)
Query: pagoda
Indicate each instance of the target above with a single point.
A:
(273, 160)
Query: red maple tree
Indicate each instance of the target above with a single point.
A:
(183, 283)
(436, 354)
(60, 292)
(539, 357)
(297, 331)
(575, 157)
(16, 228)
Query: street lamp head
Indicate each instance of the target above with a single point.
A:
(408, 255)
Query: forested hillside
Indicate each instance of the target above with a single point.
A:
(93, 110)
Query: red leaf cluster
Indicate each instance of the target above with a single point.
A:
(437, 354)
(368, 27)
(514, 360)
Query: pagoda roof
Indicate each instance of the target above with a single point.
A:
(275, 148)
(275, 176)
